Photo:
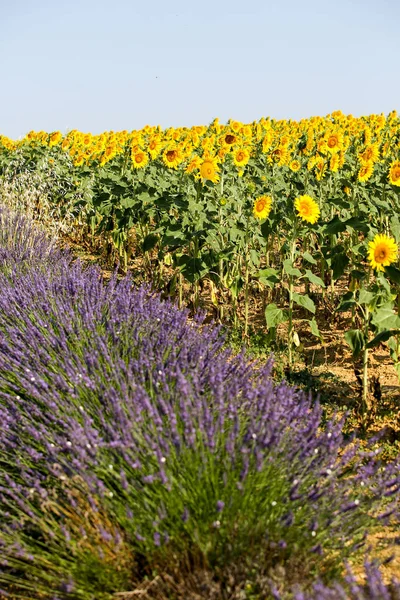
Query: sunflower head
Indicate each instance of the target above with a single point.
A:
(139, 159)
(295, 165)
(209, 170)
(394, 173)
(366, 171)
(382, 251)
(262, 207)
(241, 157)
(307, 209)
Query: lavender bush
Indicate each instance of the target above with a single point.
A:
(24, 246)
(134, 443)
(373, 588)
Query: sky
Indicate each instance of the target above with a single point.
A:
(99, 65)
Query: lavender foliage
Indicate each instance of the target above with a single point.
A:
(131, 436)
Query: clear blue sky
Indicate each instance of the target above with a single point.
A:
(96, 65)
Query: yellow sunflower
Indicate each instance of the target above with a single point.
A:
(394, 173)
(172, 157)
(371, 153)
(209, 170)
(262, 207)
(229, 138)
(295, 165)
(366, 171)
(334, 163)
(139, 159)
(55, 138)
(334, 142)
(241, 157)
(193, 165)
(382, 251)
(307, 209)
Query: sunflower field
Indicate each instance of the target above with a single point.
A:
(300, 214)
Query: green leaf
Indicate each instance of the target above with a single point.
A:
(149, 242)
(334, 226)
(274, 315)
(304, 301)
(314, 329)
(356, 340)
(346, 304)
(366, 297)
(393, 273)
(357, 224)
(385, 317)
(314, 278)
(290, 269)
(254, 257)
(383, 336)
(338, 264)
(268, 277)
(128, 201)
(309, 258)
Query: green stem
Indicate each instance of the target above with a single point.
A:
(291, 286)
(364, 400)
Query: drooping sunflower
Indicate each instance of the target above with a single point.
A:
(366, 171)
(194, 164)
(262, 207)
(139, 159)
(382, 251)
(370, 153)
(307, 209)
(279, 156)
(394, 173)
(241, 157)
(334, 163)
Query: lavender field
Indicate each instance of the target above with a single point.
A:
(141, 457)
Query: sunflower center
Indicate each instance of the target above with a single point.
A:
(381, 254)
(171, 155)
(260, 205)
(229, 139)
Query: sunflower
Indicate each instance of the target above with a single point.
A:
(241, 157)
(79, 160)
(262, 207)
(370, 154)
(172, 157)
(334, 163)
(193, 165)
(55, 138)
(334, 142)
(307, 209)
(320, 168)
(366, 171)
(382, 251)
(394, 173)
(294, 165)
(229, 139)
(139, 159)
(209, 170)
